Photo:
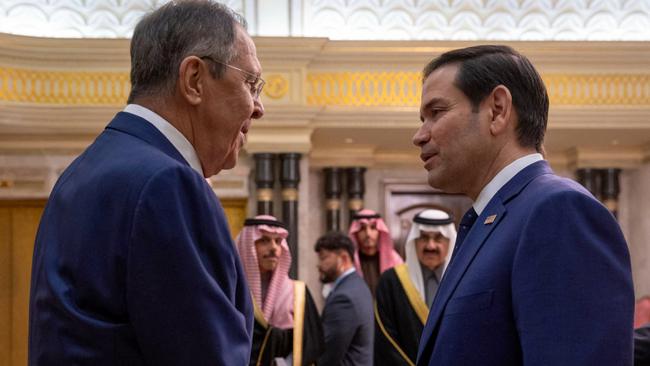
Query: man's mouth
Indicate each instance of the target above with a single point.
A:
(426, 158)
(245, 128)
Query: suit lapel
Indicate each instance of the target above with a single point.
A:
(473, 242)
(144, 130)
(454, 273)
(338, 285)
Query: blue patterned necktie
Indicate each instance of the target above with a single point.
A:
(465, 225)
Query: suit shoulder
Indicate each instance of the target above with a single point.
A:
(550, 188)
(566, 203)
(355, 290)
(354, 282)
(119, 157)
(553, 183)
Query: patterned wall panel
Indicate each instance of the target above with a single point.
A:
(479, 19)
(404, 89)
(363, 88)
(360, 19)
(63, 87)
(78, 18)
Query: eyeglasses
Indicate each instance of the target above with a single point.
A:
(255, 82)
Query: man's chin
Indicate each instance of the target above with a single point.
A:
(231, 159)
(433, 180)
(229, 165)
(443, 185)
(369, 253)
(325, 280)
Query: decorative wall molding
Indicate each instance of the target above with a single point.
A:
(646, 153)
(278, 140)
(586, 157)
(343, 157)
(63, 87)
(330, 97)
(386, 88)
(364, 88)
(345, 88)
(574, 117)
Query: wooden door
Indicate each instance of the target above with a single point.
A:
(18, 224)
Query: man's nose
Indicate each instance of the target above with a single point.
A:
(258, 108)
(421, 136)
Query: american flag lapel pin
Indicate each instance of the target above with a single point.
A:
(490, 219)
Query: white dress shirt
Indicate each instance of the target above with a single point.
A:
(170, 132)
(501, 179)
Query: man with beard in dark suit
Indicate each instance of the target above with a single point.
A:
(347, 315)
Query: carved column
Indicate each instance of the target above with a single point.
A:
(333, 188)
(356, 190)
(289, 179)
(591, 179)
(264, 181)
(611, 189)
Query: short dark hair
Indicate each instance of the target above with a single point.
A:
(178, 29)
(335, 240)
(482, 68)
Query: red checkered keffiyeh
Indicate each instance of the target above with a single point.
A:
(388, 257)
(278, 304)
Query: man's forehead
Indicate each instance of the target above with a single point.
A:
(430, 232)
(246, 50)
(325, 252)
(270, 234)
(444, 74)
(439, 83)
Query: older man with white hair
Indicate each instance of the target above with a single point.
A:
(405, 293)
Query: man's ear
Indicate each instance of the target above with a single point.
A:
(343, 254)
(191, 79)
(500, 104)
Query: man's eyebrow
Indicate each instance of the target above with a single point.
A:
(429, 104)
(432, 102)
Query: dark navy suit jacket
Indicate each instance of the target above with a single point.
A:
(547, 283)
(134, 263)
(348, 324)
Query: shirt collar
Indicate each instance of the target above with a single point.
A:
(170, 132)
(502, 178)
(342, 276)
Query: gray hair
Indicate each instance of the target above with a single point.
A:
(178, 29)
